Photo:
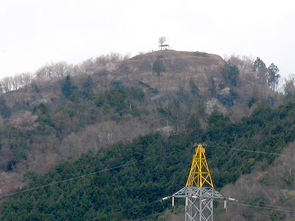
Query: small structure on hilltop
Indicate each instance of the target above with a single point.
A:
(199, 191)
(163, 46)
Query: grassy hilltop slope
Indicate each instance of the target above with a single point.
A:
(181, 67)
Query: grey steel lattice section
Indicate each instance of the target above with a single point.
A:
(205, 192)
(198, 202)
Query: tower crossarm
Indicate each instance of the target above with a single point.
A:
(198, 192)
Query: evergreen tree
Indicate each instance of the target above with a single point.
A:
(273, 76)
(158, 67)
(5, 111)
(194, 88)
(88, 86)
(233, 75)
(212, 87)
(260, 68)
(258, 64)
(67, 87)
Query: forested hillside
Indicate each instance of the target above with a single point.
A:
(127, 181)
(108, 138)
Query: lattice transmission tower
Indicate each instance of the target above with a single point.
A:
(199, 191)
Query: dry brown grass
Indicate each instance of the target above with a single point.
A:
(180, 67)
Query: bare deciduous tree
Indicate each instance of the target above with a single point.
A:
(243, 62)
(6, 84)
(26, 78)
(54, 70)
(16, 82)
(289, 86)
(162, 40)
(25, 121)
(85, 68)
(104, 59)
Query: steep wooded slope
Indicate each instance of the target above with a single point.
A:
(67, 111)
(127, 181)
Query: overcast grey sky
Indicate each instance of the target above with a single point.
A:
(34, 32)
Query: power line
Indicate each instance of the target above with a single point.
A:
(239, 204)
(265, 207)
(269, 207)
(130, 209)
(77, 177)
(112, 168)
(85, 175)
(236, 203)
(93, 173)
(252, 151)
(146, 159)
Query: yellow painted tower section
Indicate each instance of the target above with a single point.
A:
(199, 173)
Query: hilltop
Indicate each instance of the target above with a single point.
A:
(181, 68)
(207, 75)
